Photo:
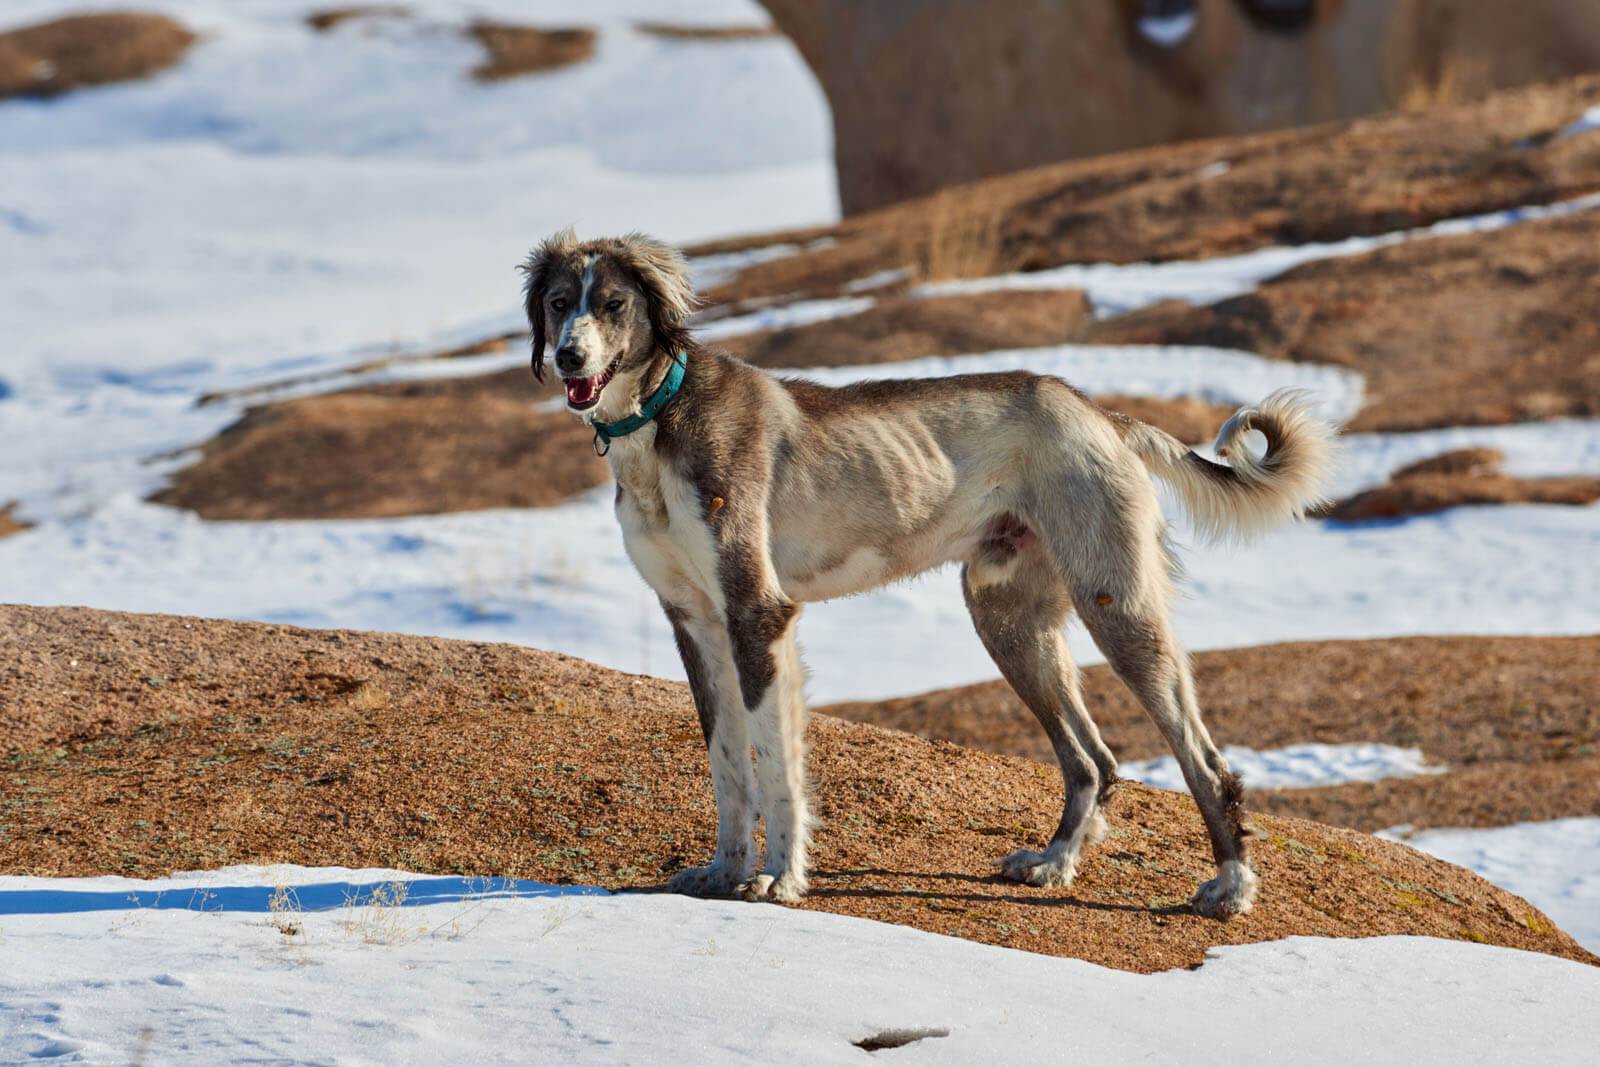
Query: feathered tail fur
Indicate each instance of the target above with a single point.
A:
(1248, 495)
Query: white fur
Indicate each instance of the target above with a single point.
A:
(1270, 489)
(1057, 865)
(1231, 892)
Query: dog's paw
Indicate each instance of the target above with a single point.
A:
(1232, 892)
(717, 879)
(783, 889)
(1038, 868)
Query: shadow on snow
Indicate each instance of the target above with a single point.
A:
(322, 896)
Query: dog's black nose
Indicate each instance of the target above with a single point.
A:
(568, 361)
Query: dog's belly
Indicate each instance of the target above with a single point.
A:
(822, 559)
(861, 570)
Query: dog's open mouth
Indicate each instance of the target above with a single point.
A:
(584, 393)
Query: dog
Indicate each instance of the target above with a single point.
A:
(742, 496)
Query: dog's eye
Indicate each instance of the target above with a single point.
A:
(613, 305)
(558, 304)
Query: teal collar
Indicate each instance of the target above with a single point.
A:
(606, 432)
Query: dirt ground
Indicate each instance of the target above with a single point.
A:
(1516, 721)
(140, 744)
(51, 58)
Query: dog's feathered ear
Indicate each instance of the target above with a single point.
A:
(536, 271)
(663, 275)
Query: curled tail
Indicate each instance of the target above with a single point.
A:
(1248, 495)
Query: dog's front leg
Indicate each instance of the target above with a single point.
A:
(714, 682)
(762, 631)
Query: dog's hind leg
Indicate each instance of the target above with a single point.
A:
(1120, 578)
(1019, 613)
(714, 682)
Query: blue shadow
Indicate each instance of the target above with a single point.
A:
(322, 896)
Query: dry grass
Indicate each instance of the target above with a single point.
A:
(518, 50)
(326, 19)
(283, 909)
(950, 240)
(50, 58)
(682, 32)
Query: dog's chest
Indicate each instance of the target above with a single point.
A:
(663, 531)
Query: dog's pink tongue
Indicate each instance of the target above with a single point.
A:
(582, 390)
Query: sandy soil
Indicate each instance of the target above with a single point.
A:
(1513, 718)
(143, 744)
(50, 58)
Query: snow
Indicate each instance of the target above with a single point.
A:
(1555, 865)
(783, 317)
(1168, 31)
(1304, 766)
(289, 204)
(1588, 122)
(285, 196)
(533, 974)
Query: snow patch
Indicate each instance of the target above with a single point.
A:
(545, 977)
(1304, 766)
(1168, 31)
(1588, 122)
(1554, 865)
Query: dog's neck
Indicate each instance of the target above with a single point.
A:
(627, 392)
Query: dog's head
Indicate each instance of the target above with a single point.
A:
(603, 309)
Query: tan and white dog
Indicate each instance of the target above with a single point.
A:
(747, 495)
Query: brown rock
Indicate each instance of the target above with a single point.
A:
(1514, 718)
(1420, 494)
(1457, 461)
(1217, 197)
(1486, 328)
(9, 523)
(932, 93)
(151, 744)
(518, 50)
(417, 448)
(907, 328)
(50, 58)
(678, 31)
(327, 18)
